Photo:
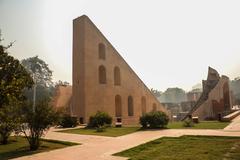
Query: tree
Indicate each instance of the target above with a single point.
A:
(39, 70)
(42, 77)
(34, 124)
(156, 93)
(9, 121)
(61, 83)
(13, 77)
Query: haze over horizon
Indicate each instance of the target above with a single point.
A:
(167, 43)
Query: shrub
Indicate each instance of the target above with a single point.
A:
(188, 123)
(35, 124)
(67, 121)
(155, 119)
(99, 120)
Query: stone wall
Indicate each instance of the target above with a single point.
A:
(103, 81)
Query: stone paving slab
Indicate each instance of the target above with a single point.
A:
(234, 125)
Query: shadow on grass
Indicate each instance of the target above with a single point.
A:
(18, 147)
(23, 151)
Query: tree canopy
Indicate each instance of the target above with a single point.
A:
(39, 70)
(42, 76)
(13, 77)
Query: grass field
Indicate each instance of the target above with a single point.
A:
(115, 132)
(18, 146)
(111, 131)
(200, 125)
(186, 148)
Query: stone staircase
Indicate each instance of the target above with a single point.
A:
(208, 86)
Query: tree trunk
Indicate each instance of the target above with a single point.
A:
(34, 143)
(4, 139)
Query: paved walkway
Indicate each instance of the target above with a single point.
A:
(101, 148)
(235, 125)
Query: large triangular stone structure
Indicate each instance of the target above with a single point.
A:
(215, 100)
(103, 81)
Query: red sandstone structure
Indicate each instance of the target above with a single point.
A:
(215, 100)
(63, 98)
(103, 81)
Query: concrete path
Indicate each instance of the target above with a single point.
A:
(234, 125)
(101, 148)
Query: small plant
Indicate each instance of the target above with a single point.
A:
(67, 121)
(155, 119)
(100, 120)
(188, 123)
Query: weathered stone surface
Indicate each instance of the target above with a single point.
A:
(102, 79)
(215, 98)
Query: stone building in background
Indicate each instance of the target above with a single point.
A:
(173, 95)
(102, 79)
(194, 95)
(215, 99)
(62, 98)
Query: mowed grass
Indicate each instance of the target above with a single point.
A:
(186, 148)
(200, 125)
(18, 146)
(110, 132)
(115, 132)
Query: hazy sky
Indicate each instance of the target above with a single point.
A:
(167, 43)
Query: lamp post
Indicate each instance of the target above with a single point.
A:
(34, 93)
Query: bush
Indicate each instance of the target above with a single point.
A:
(188, 123)
(99, 120)
(155, 119)
(67, 121)
(35, 124)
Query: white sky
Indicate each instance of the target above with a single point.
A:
(167, 43)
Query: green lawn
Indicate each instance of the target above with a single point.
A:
(111, 131)
(18, 146)
(186, 148)
(115, 132)
(200, 125)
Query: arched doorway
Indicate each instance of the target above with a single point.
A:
(144, 105)
(118, 106)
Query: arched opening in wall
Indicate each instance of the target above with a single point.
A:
(130, 106)
(118, 106)
(117, 76)
(102, 75)
(226, 97)
(144, 105)
(154, 107)
(101, 51)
